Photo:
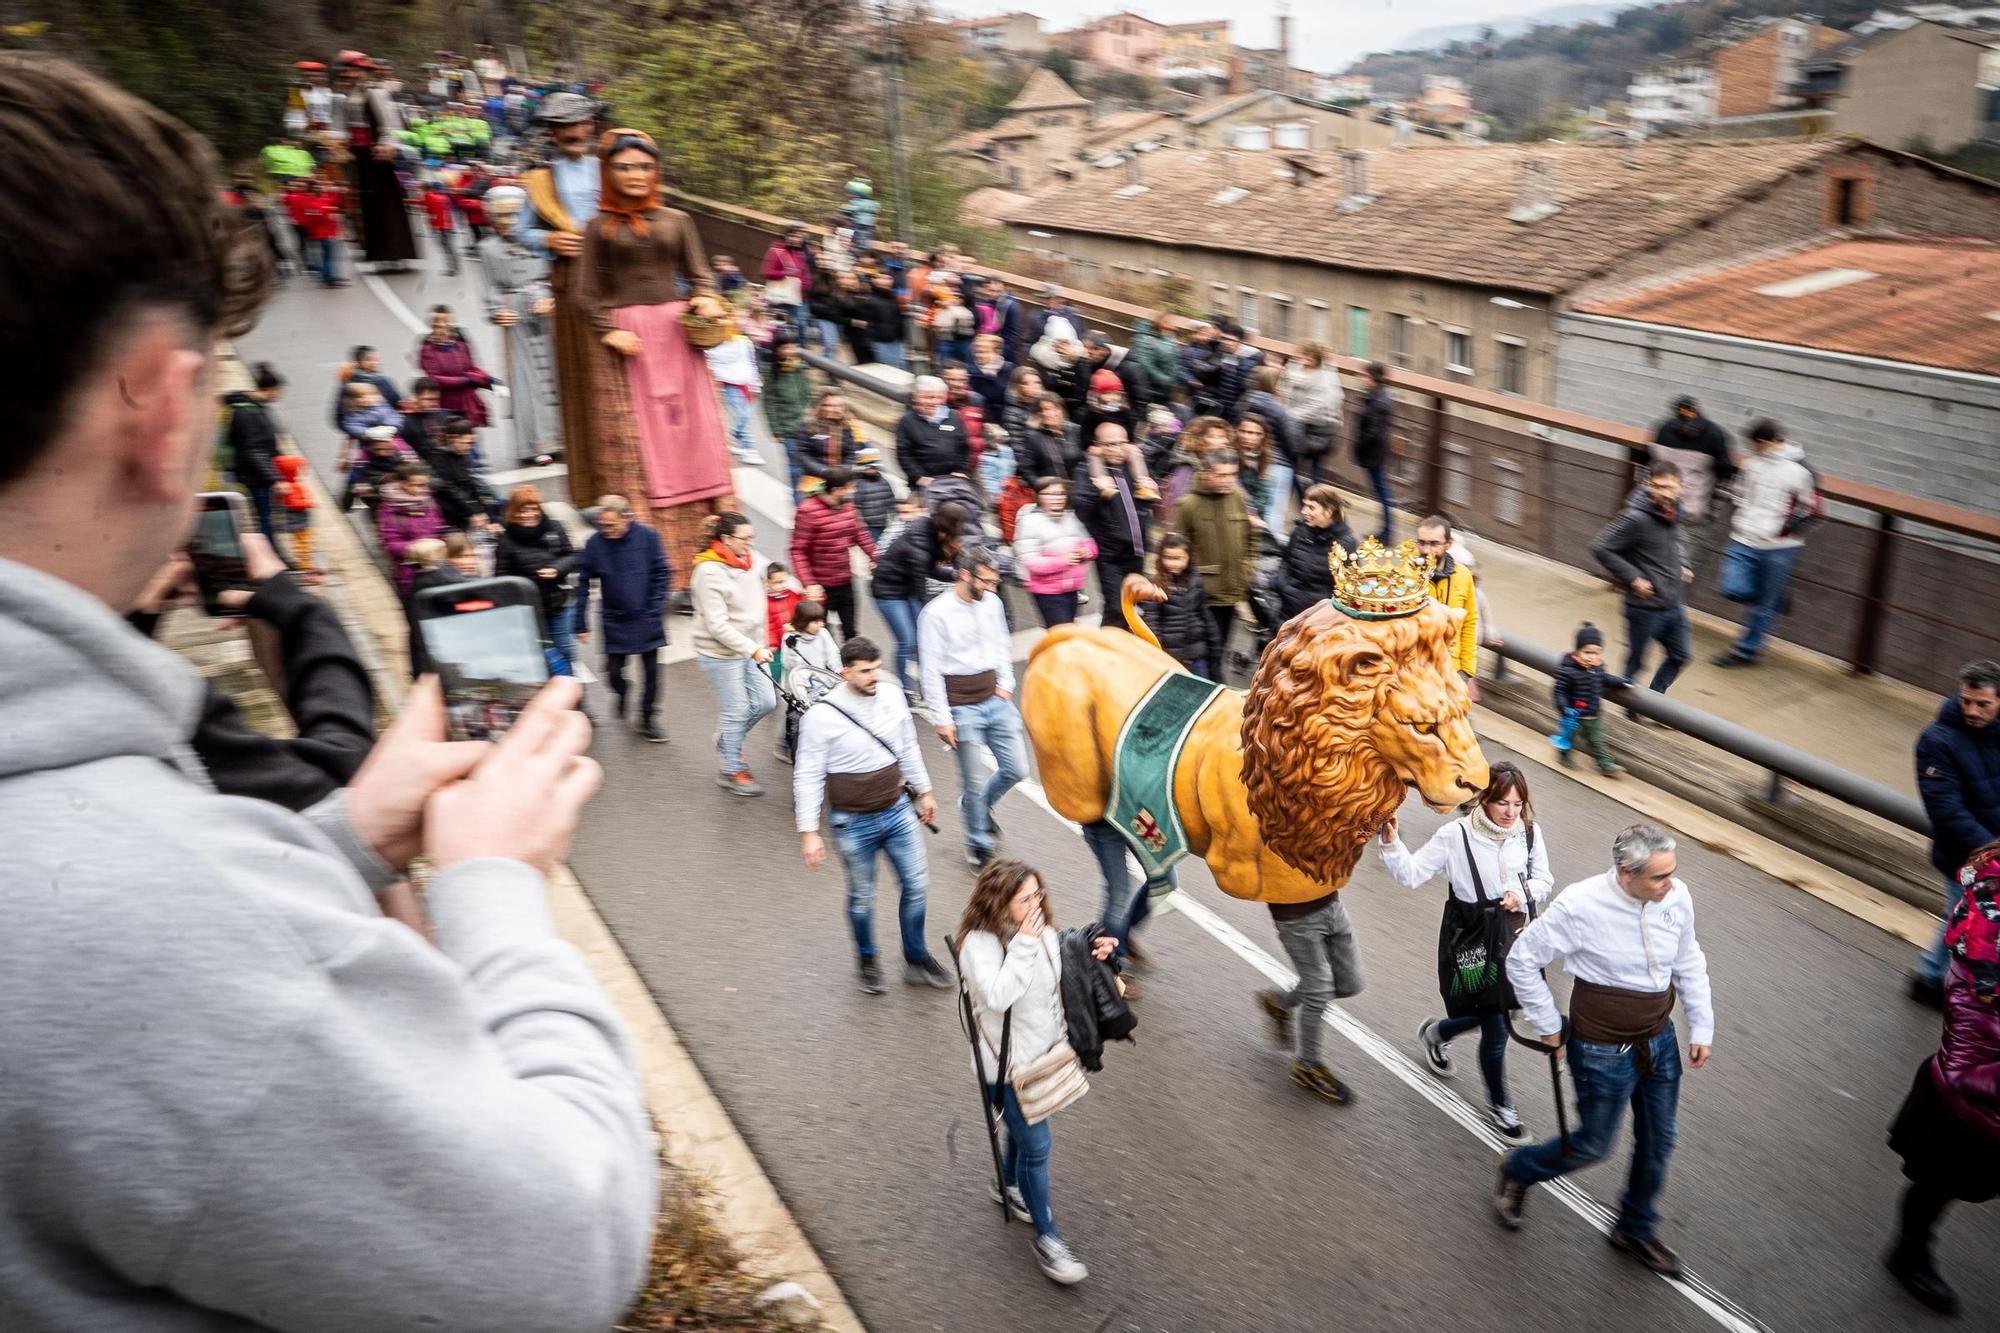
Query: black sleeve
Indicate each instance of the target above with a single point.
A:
(327, 691)
(907, 454)
(1610, 545)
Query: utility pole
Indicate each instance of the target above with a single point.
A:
(892, 109)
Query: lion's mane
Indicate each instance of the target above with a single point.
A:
(1311, 774)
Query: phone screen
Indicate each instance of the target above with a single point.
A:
(216, 550)
(490, 663)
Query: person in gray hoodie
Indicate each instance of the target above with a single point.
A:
(1642, 550)
(237, 1095)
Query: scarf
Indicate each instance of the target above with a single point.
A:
(718, 552)
(1973, 935)
(1486, 828)
(612, 205)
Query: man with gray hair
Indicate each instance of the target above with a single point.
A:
(966, 659)
(931, 439)
(1627, 940)
(630, 568)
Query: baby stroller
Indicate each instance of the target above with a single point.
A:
(962, 490)
(801, 687)
(1266, 603)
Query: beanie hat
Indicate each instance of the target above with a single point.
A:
(1106, 381)
(1588, 636)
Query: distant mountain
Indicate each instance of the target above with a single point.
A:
(1513, 25)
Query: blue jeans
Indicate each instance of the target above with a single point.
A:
(327, 263)
(1931, 964)
(1607, 1077)
(1668, 625)
(1492, 1049)
(1378, 477)
(260, 500)
(829, 337)
(859, 838)
(743, 694)
(1123, 908)
(1277, 496)
(889, 354)
(996, 725)
(954, 352)
(1760, 578)
(1057, 608)
(562, 628)
(1024, 1159)
(794, 318)
(901, 613)
(738, 404)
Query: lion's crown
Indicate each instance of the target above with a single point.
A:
(1375, 583)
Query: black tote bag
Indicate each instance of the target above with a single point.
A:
(1473, 939)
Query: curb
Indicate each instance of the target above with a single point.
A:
(697, 1135)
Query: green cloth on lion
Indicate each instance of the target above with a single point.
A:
(1142, 769)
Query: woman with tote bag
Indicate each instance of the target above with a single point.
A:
(1010, 962)
(1496, 863)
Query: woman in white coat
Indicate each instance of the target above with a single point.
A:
(1011, 963)
(1494, 855)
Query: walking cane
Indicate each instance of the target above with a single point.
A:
(971, 1027)
(1537, 1044)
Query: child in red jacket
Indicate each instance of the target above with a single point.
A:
(784, 599)
(437, 206)
(297, 502)
(315, 210)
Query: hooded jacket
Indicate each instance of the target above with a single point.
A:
(1371, 428)
(220, 1053)
(402, 519)
(823, 540)
(1765, 488)
(1094, 1011)
(1158, 355)
(1451, 584)
(1958, 775)
(1698, 447)
(1643, 542)
(730, 608)
(253, 441)
(1224, 544)
(1967, 1065)
(522, 552)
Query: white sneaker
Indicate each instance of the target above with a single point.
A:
(748, 457)
(1506, 1121)
(1057, 1263)
(584, 675)
(1436, 1053)
(1017, 1202)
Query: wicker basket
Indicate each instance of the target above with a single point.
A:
(705, 331)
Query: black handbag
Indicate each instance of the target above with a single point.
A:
(1473, 939)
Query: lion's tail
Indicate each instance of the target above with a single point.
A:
(1135, 589)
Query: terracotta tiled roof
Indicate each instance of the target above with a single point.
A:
(1122, 127)
(988, 204)
(1045, 91)
(1930, 302)
(1442, 212)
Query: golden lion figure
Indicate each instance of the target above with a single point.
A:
(1278, 789)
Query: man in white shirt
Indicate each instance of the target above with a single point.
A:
(1774, 493)
(857, 754)
(1627, 941)
(966, 659)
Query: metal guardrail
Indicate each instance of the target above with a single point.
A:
(1780, 760)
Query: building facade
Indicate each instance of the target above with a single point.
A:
(1929, 84)
(1004, 34)
(1756, 74)
(1195, 51)
(1675, 95)
(1127, 43)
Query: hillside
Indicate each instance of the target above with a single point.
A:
(1526, 82)
(1512, 25)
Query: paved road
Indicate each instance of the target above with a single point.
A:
(1207, 1193)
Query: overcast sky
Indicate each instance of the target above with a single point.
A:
(1328, 33)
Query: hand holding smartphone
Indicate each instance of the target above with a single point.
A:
(215, 548)
(485, 639)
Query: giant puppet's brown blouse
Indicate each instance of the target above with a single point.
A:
(619, 267)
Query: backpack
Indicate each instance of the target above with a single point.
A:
(1808, 510)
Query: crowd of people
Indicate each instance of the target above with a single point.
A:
(306, 1069)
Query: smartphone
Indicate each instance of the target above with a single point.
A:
(486, 643)
(215, 548)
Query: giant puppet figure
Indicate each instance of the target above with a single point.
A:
(1278, 789)
(562, 198)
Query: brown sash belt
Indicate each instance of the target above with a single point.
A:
(1609, 1016)
(977, 688)
(865, 793)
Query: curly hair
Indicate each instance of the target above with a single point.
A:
(1311, 775)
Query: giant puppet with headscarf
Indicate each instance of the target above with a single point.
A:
(659, 437)
(515, 281)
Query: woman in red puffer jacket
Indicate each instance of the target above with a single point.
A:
(1948, 1131)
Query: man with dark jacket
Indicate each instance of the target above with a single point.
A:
(825, 440)
(1642, 550)
(1116, 522)
(1306, 576)
(1052, 307)
(1235, 361)
(1700, 449)
(462, 496)
(1371, 441)
(1958, 775)
(826, 531)
(630, 568)
(930, 438)
(1100, 354)
(996, 312)
(882, 321)
(1198, 367)
(253, 442)
(1215, 518)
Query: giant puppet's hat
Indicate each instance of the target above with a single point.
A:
(1376, 583)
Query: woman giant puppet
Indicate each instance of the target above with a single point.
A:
(659, 430)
